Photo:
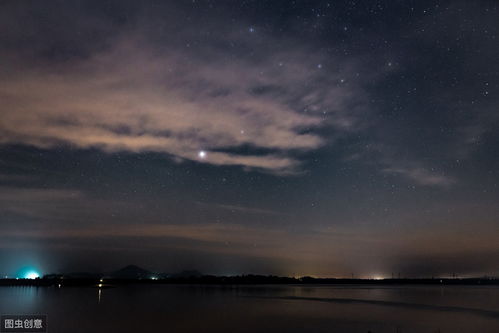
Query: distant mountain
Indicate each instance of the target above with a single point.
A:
(131, 272)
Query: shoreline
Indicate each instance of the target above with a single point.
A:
(242, 280)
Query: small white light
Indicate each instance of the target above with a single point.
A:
(202, 154)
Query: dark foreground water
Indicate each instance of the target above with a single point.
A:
(170, 308)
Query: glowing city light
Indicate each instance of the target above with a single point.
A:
(31, 275)
(27, 273)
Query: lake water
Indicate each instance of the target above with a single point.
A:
(182, 308)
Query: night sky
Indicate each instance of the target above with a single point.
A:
(323, 138)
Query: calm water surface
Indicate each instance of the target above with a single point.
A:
(170, 308)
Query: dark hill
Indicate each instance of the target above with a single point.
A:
(131, 272)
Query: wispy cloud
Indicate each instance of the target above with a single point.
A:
(422, 176)
(137, 96)
(22, 195)
(6, 177)
(241, 209)
(390, 160)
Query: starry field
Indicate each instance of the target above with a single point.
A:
(321, 138)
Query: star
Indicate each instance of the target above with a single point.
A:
(202, 154)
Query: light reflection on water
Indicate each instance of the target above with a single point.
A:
(19, 297)
(259, 308)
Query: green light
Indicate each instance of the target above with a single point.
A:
(28, 273)
(31, 275)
